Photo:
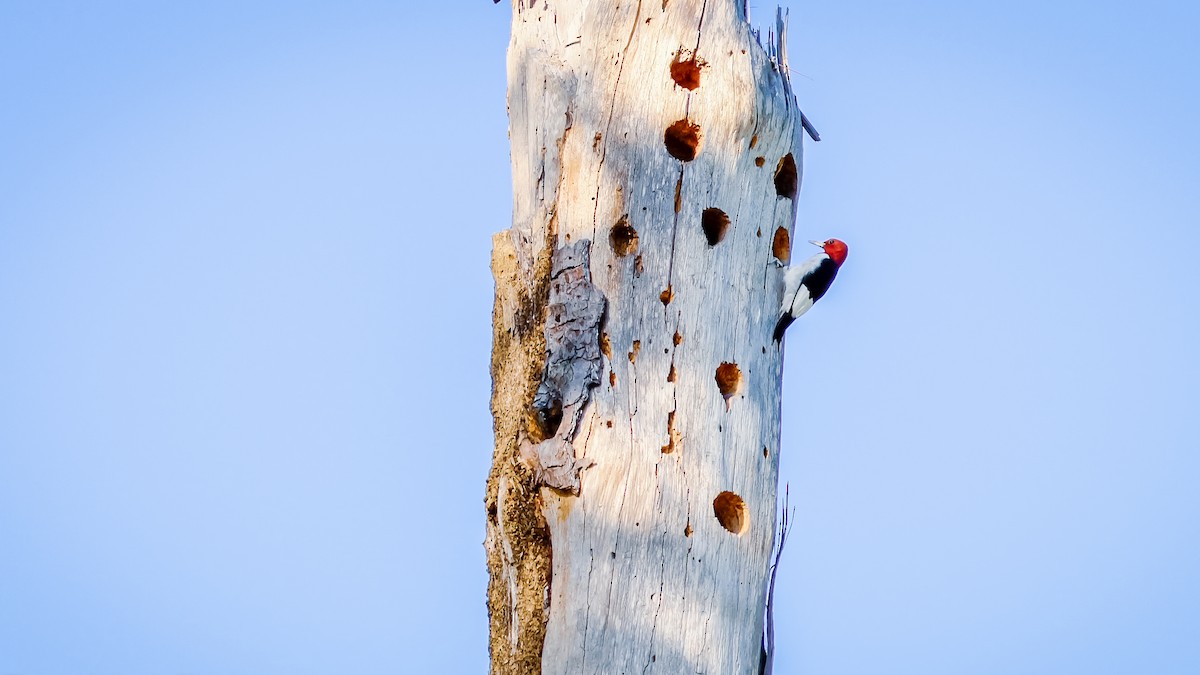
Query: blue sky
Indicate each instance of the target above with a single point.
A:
(246, 322)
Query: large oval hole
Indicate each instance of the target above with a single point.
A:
(786, 177)
(732, 513)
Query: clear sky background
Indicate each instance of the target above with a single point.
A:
(245, 330)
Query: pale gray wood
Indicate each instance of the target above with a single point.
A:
(645, 578)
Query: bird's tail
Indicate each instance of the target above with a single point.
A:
(784, 321)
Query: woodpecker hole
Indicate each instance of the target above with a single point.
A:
(759, 161)
(637, 266)
(766, 454)
(612, 378)
(781, 245)
(687, 530)
(637, 347)
(729, 381)
(547, 420)
(753, 141)
(606, 346)
(714, 222)
(683, 140)
(623, 237)
(609, 425)
(671, 374)
(686, 72)
(679, 194)
(677, 338)
(667, 296)
(732, 513)
(786, 177)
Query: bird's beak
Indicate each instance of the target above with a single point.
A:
(814, 242)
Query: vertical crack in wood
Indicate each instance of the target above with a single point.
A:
(608, 123)
(788, 516)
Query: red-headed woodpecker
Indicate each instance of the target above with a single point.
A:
(804, 284)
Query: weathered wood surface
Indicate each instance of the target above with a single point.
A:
(637, 574)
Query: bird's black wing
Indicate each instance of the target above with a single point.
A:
(819, 280)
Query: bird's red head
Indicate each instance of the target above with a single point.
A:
(835, 249)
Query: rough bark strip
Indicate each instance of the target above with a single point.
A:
(517, 543)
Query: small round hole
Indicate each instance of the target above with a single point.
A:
(715, 222)
(732, 513)
(623, 237)
(683, 140)
(759, 161)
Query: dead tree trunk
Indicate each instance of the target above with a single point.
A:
(636, 389)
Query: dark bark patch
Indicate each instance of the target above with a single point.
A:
(572, 368)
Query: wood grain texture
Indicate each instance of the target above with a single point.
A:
(644, 575)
